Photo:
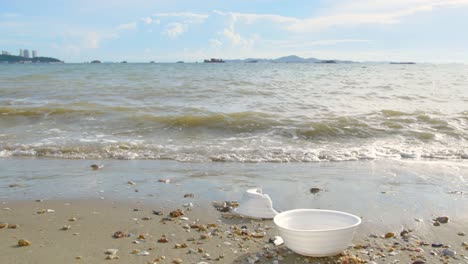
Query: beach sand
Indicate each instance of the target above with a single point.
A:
(390, 196)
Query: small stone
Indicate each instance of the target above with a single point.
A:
(419, 262)
(163, 240)
(23, 243)
(436, 245)
(442, 219)
(188, 195)
(111, 251)
(176, 213)
(65, 227)
(78, 257)
(164, 180)
(3, 225)
(109, 257)
(131, 182)
(97, 166)
(405, 232)
(13, 226)
(186, 226)
(73, 219)
(461, 234)
(158, 212)
(177, 261)
(448, 252)
(146, 218)
(389, 235)
(142, 237)
(258, 235)
(436, 223)
(465, 244)
(119, 234)
(315, 190)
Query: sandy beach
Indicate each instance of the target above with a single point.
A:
(389, 196)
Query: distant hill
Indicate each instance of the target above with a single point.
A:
(288, 59)
(19, 59)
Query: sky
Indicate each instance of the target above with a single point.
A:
(193, 30)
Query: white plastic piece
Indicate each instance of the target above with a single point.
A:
(316, 233)
(255, 204)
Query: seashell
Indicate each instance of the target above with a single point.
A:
(184, 218)
(23, 243)
(111, 251)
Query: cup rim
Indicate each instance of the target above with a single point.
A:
(358, 220)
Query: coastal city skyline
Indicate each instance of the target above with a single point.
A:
(167, 31)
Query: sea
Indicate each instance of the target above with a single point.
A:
(235, 112)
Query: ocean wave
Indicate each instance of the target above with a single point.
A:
(247, 154)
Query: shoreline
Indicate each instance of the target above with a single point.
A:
(388, 196)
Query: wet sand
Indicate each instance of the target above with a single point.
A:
(389, 196)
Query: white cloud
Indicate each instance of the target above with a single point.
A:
(149, 21)
(128, 26)
(192, 17)
(351, 13)
(174, 30)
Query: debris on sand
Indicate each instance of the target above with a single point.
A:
(23, 243)
(96, 166)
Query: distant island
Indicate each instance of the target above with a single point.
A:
(289, 59)
(19, 59)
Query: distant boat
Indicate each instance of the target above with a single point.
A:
(123, 62)
(96, 61)
(214, 61)
(152, 62)
(180, 62)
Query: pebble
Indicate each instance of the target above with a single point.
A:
(131, 182)
(419, 262)
(3, 225)
(461, 234)
(436, 223)
(448, 252)
(442, 219)
(389, 235)
(111, 251)
(177, 261)
(188, 195)
(112, 257)
(119, 234)
(436, 245)
(23, 243)
(65, 227)
(315, 190)
(97, 166)
(157, 212)
(143, 253)
(73, 219)
(164, 180)
(176, 213)
(13, 226)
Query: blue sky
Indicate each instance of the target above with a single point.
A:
(165, 31)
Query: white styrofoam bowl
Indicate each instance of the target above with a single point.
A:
(316, 233)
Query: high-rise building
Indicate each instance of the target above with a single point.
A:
(21, 53)
(4, 52)
(26, 53)
(34, 54)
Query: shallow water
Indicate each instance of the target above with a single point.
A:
(235, 112)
